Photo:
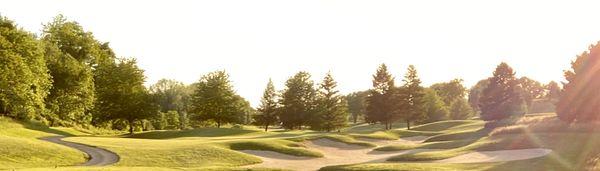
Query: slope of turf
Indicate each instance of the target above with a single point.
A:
(20, 148)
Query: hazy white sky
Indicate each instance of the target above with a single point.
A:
(258, 40)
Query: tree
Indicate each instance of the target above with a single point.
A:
(531, 90)
(475, 94)
(172, 95)
(297, 101)
(580, 98)
(434, 107)
(331, 107)
(24, 78)
(267, 111)
(552, 91)
(502, 98)
(379, 102)
(125, 97)
(70, 53)
(450, 91)
(413, 97)
(357, 104)
(460, 110)
(215, 99)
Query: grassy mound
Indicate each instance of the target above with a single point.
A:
(20, 148)
(280, 146)
(443, 125)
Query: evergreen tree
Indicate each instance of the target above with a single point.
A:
(357, 104)
(297, 101)
(215, 99)
(24, 78)
(267, 111)
(413, 97)
(460, 110)
(331, 107)
(434, 107)
(379, 102)
(502, 98)
(580, 99)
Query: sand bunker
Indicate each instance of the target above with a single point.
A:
(338, 153)
(497, 156)
(335, 153)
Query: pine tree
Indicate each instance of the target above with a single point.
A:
(502, 98)
(297, 101)
(379, 102)
(267, 111)
(331, 107)
(413, 96)
(580, 99)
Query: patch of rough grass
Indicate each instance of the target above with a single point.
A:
(280, 146)
(407, 166)
(200, 132)
(429, 145)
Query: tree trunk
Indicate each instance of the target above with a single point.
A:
(266, 127)
(355, 119)
(408, 124)
(130, 127)
(218, 124)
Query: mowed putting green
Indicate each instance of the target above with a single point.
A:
(360, 147)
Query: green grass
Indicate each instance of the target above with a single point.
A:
(201, 132)
(280, 146)
(113, 168)
(20, 148)
(428, 145)
(444, 125)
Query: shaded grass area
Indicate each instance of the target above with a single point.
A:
(335, 137)
(20, 148)
(200, 132)
(428, 145)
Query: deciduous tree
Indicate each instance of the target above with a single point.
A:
(214, 99)
(297, 101)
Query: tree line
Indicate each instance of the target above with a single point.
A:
(65, 77)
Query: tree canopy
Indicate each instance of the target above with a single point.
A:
(297, 101)
(502, 98)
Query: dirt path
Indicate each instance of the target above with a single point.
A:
(335, 153)
(98, 156)
(497, 156)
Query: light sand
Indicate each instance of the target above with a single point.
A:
(497, 156)
(335, 153)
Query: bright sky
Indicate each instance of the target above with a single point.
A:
(257, 40)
